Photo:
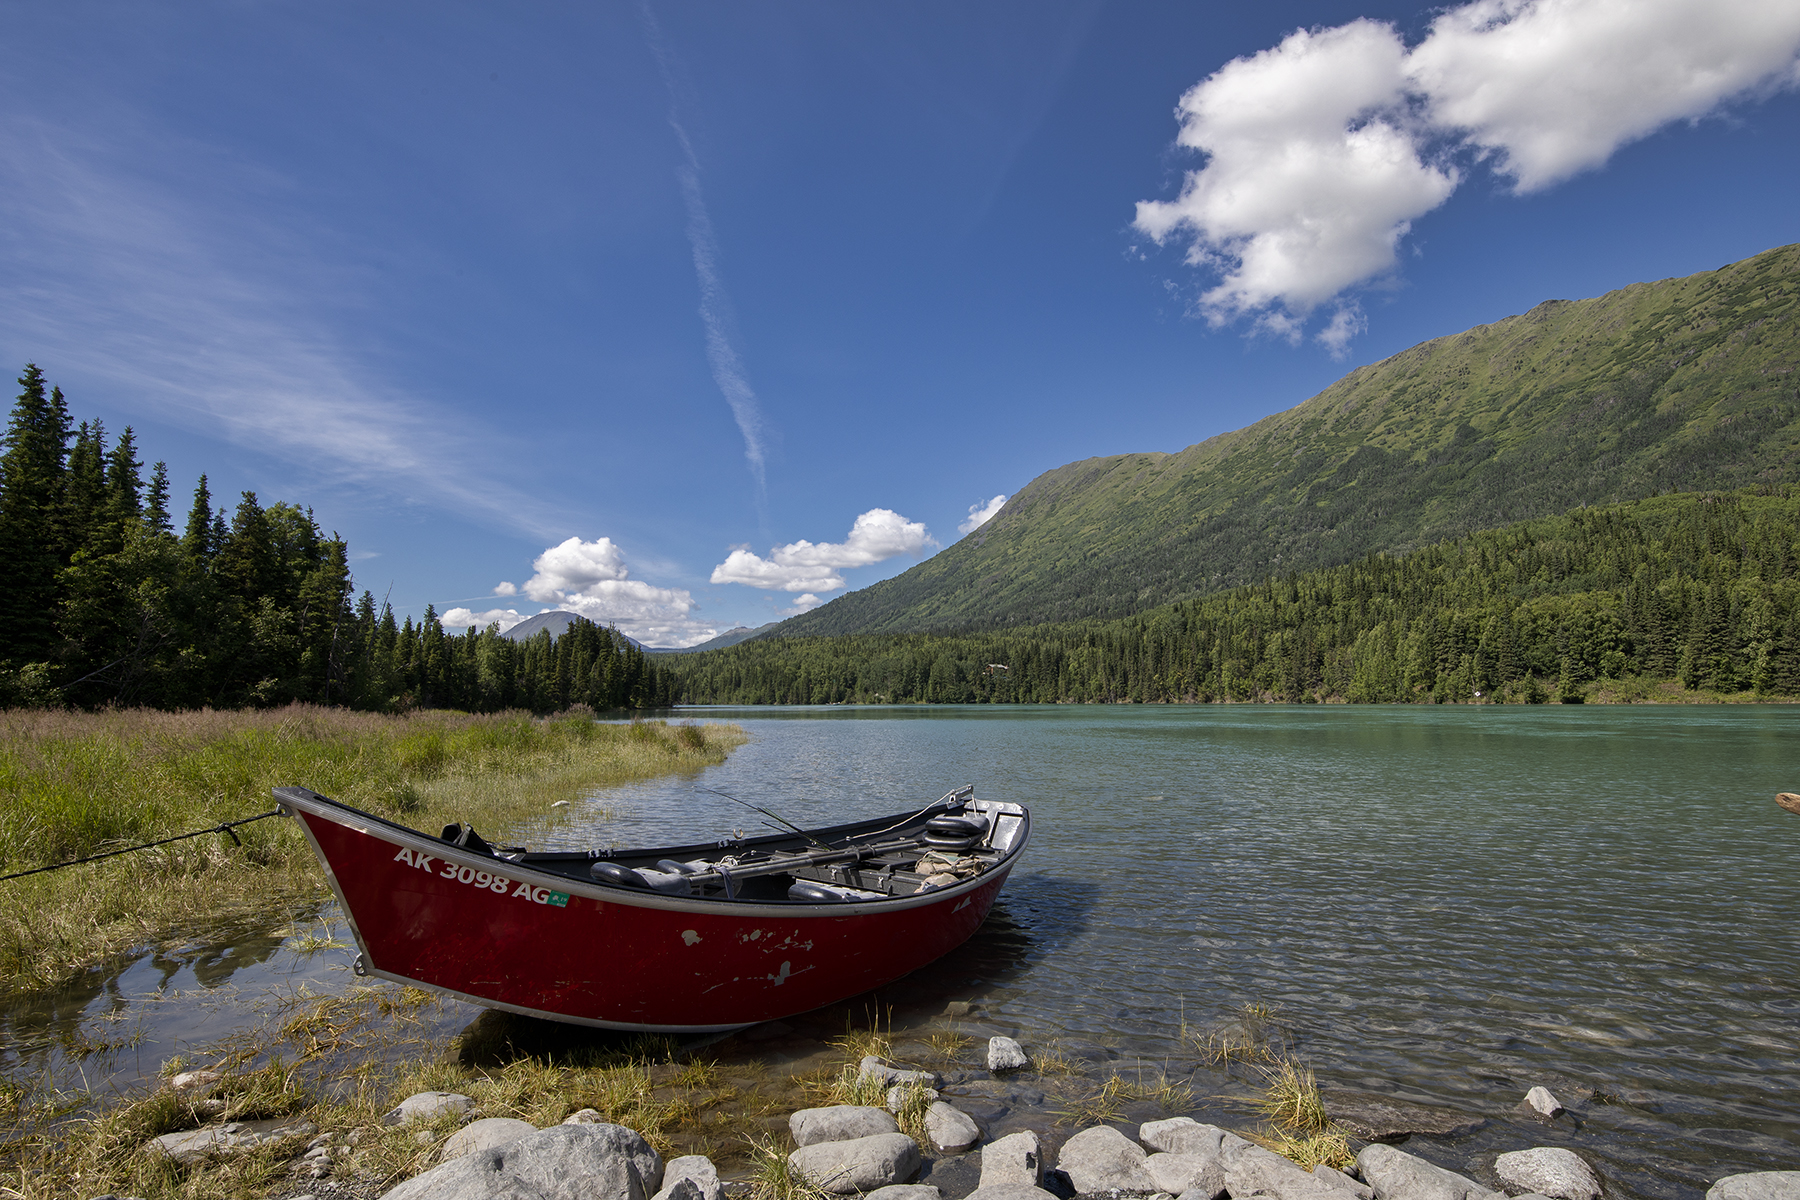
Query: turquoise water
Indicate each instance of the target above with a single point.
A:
(1445, 904)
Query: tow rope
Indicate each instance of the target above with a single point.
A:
(224, 827)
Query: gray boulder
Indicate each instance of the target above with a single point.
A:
(1184, 1135)
(859, 1165)
(950, 1130)
(839, 1123)
(1541, 1099)
(1102, 1159)
(1179, 1174)
(696, 1169)
(1013, 1162)
(423, 1106)
(1395, 1173)
(1337, 1180)
(1004, 1054)
(488, 1133)
(1011, 1191)
(1548, 1171)
(198, 1145)
(905, 1191)
(1250, 1169)
(1757, 1185)
(564, 1162)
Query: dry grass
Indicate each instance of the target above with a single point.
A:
(1329, 1146)
(1099, 1107)
(948, 1045)
(773, 1179)
(1251, 1036)
(1298, 1126)
(84, 783)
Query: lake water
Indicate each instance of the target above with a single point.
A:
(1444, 905)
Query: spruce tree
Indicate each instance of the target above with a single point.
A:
(31, 481)
(156, 500)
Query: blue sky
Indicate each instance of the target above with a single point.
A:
(689, 315)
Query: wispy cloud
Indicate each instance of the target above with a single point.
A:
(981, 514)
(1323, 150)
(715, 303)
(803, 566)
(213, 321)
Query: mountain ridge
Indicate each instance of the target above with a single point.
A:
(1673, 385)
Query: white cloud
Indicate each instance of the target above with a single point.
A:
(1554, 87)
(458, 619)
(1322, 151)
(803, 566)
(504, 588)
(592, 579)
(981, 514)
(802, 604)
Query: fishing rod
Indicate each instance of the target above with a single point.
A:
(785, 823)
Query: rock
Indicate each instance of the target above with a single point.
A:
(423, 1106)
(1179, 1174)
(1184, 1135)
(1376, 1118)
(564, 1162)
(1004, 1054)
(584, 1116)
(489, 1133)
(1337, 1180)
(1014, 1161)
(197, 1145)
(839, 1123)
(1102, 1159)
(873, 1068)
(951, 1130)
(1017, 1191)
(1757, 1185)
(698, 1170)
(1541, 1099)
(905, 1191)
(1250, 1169)
(1549, 1171)
(896, 1096)
(959, 1008)
(1395, 1173)
(195, 1081)
(859, 1165)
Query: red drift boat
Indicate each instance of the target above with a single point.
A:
(680, 939)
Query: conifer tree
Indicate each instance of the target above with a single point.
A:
(31, 480)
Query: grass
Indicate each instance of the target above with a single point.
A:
(84, 783)
(1298, 1126)
(1252, 1036)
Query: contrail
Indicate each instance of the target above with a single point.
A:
(715, 304)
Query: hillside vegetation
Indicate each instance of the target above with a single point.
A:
(1680, 385)
(1680, 596)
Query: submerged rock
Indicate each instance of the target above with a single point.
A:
(1540, 1099)
(1376, 1118)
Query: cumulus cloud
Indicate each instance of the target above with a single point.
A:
(802, 604)
(592, 579)
(504, 588)
(803, 566)
(1322, 151)
(981, 514)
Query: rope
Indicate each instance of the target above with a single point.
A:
(224, 827)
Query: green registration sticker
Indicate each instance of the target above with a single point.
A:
(558, 899)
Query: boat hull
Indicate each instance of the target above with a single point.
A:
(506, 936)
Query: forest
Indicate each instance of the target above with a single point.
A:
(108, 604)
(1695, 593)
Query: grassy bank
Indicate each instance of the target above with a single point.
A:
(76, 784)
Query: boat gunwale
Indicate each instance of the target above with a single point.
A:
(336, 811)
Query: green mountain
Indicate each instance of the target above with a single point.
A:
(1681, 385)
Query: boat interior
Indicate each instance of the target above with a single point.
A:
(955, 839)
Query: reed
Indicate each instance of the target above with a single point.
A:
(84, 783)
(1291, 1097)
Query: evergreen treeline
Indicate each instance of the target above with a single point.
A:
(1699, 589)
(106, 603)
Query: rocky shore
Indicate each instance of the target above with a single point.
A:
(955, 1145)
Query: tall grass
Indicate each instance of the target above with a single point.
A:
(74, 784)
